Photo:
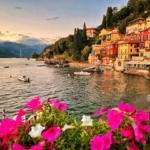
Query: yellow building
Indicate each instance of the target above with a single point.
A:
(96, 53)
(92, 58)
(107, 35)
(145, 24)
(134, 25)
(128, 48)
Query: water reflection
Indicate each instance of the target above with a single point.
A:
(83, 94)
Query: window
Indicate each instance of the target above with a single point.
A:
(148, 55)
(142, 38)
(148, 36)
(131, 44)
(119, 63)
(137, 50)
(130, 50)
(141, 54)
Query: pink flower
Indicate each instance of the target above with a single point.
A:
(132, 146)
(139, 133)
(101, 111)
(126, 107)
(34, 104)
(114, 119)
(101, 120)
(8, 130)
(142, 116)
(89, 130)
(97, 143)
(107, 140)
(127, 133)
(51, 134)
(54, 103)
(101, 142)
(17, 146)
(20, 116)
(36, 147)
(146, 128)
(62, 106)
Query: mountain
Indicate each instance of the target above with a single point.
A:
(11, 49)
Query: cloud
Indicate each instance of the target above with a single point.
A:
(24, 39)
(52, 18)
(17, 7)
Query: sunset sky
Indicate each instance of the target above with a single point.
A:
(45, 21)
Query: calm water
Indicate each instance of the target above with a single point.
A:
(83, 94)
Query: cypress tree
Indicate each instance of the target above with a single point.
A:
(104, 22)
(84, 36)
(108, 17)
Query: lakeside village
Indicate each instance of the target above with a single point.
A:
(129, 53)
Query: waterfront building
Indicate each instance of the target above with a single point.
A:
(96, 53)
(111, 53)
(145, 43)
(128, 48)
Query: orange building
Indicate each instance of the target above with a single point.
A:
(128, 48)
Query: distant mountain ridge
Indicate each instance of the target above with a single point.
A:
(12, 49)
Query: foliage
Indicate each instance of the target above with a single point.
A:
(46, 125)
(109, 15)
(35, 55)
(85, 53)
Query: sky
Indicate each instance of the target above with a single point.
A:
(45, 21)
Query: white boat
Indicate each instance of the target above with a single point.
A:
(23, 78)
(82, 73)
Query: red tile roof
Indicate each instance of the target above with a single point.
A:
(92, 28)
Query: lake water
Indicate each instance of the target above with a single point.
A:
(83, 94)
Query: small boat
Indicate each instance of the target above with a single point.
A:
(23, 78)
(82, 73)
(6, 66)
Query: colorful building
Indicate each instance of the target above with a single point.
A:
(111, 52)
(134, 25)
(145, 43)
(96, 53)
(108, 35)
(128, 48)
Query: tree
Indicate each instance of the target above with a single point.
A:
(114, 10)
(84, 34)
(85, 53)
(108, 17)
(104, 22)
(35, 55)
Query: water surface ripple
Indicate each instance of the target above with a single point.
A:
(83, 94)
